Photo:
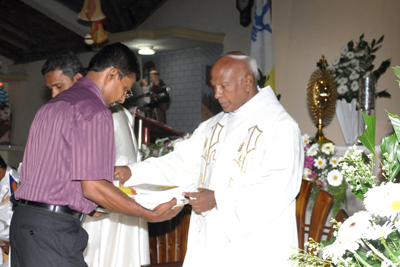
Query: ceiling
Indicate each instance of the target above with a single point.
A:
(32, 30)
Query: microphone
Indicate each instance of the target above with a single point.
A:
(165, 89)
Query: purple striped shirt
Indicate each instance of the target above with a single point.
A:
(71, 139)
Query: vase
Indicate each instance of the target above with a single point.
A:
(366, 95)
(348, 120)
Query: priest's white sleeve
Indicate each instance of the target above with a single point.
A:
(179, 167)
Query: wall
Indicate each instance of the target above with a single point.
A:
(302, 32)
(185, 72)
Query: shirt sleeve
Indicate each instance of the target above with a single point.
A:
(244, 209)
(93, 148)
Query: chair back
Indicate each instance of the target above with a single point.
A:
(168, 239)
(301, 208)
(322, 206)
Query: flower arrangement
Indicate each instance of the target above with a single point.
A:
(321, 166)
(371, 237)
(161, 147)
(356, 60)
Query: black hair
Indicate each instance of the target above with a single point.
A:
(116, 55)
(67, 62)
(3, 164)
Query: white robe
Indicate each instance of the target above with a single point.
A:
(6, 207)
(118, 240)
(252, 159)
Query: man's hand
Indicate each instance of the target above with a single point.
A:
(204, 200)
(165, 212)
(123, 173)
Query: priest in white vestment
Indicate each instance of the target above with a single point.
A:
(247, 162)
(115, 239)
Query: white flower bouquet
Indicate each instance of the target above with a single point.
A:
(161, 147)
(368, 238)
(356, 60)
(321, 166)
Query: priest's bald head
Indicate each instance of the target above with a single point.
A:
(234, 76)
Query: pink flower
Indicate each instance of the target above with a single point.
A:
(319, 183)
(308, 162)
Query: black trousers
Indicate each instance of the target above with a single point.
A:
(44, 238)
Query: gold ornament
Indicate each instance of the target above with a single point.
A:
(321, 97)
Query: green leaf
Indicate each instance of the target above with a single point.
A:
(360, 195)
(380, 40)
(397, 73)
(395, 119)
(368, 137)
(389, 145)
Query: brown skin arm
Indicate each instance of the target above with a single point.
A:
(123, 173)
(110, 197)
(204, 200)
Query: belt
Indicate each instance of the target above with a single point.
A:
(52, 208)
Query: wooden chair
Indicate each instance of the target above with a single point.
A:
(168, 240)
(322, 205)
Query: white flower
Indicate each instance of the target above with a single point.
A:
(334, 162)
(334, 251)
(344, 50)
(328, 148)
(383, 200)
(355, 62)
(342, 89)
(336, 61)
(306, 171)
(162, 140)
(335, 178)
(354, 86)
(360, 54)
(353, 229)
(377, 231)
(342, 80)
(354, 76)
(350, 55)
(320, 163)
(330, 68)
(306, 139)
(313, 150)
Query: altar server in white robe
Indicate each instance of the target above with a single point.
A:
(247, 162)
(116, 239)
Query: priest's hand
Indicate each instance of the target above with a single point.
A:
(123, 173)
(202, 201)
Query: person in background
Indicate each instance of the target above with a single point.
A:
(159, 103)
(8, 184)
(247, 163)
(68, 166)
(114, 239)
(61, 71)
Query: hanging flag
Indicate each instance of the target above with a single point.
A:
(13, 184)
(261, 41)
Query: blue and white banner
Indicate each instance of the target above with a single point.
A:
(261, 41)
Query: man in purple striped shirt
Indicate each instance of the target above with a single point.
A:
(69, 163)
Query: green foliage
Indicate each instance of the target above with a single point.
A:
(368, 137)
(356, 60)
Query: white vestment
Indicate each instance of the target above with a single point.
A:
(114, 239)
(252, 159)
(6, 206)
